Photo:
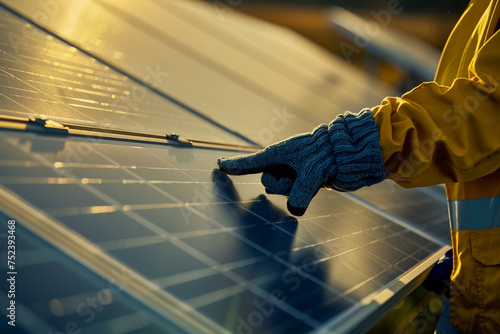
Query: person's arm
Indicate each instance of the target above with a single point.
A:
(440, 134)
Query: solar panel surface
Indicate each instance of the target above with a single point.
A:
(214, 252)
(219, 63)
(217, 245)
(69, 297)
(46, 78)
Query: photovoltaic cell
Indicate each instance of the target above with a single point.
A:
(425, 208)
(43, 77)
(221, 63)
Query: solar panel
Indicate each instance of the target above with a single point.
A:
(223, 66)
(191, 249)
(218, 246)
(47, 78)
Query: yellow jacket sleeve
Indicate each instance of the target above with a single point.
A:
(445, 134)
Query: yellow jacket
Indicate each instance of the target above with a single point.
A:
(448, 131)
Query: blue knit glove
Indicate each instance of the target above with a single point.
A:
(344, 156)
(438, 279)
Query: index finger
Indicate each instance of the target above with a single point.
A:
(247, 164)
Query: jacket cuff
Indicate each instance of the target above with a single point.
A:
(358, 155)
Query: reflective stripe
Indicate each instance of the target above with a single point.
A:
(474, 214)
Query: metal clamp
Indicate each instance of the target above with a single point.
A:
(49, 125)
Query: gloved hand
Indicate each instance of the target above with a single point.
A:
(438, 279)
(344, 156)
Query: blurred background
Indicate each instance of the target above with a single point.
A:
(429, 21)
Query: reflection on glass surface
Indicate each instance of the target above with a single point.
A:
(59, 295)
(215, 243)
(44, 77)
(221, 63)
(409, 204)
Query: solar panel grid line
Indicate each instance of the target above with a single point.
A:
(223, 104)
(280, 260)
(215, 296)
(32, 112)
(394, 218)
(132, 77)
(226, 65)
(316, 66)
(194, 275)
(66, 63)
(369, 305)
(351, 250)
(75, 107)
(75, 89)
(75, 211)
(18, 163)
(347, 292)
(70, 69)
(14, 101)
(197, 233)
(408, 203)
(4, 75)
(132, 172)
(78, 248)
(65, 68)
(96, 209)
(41, 180)
(416, 207)
(186, 248)
(29, 317)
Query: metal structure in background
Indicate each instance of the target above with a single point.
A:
(112, 118)
(381, 43)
